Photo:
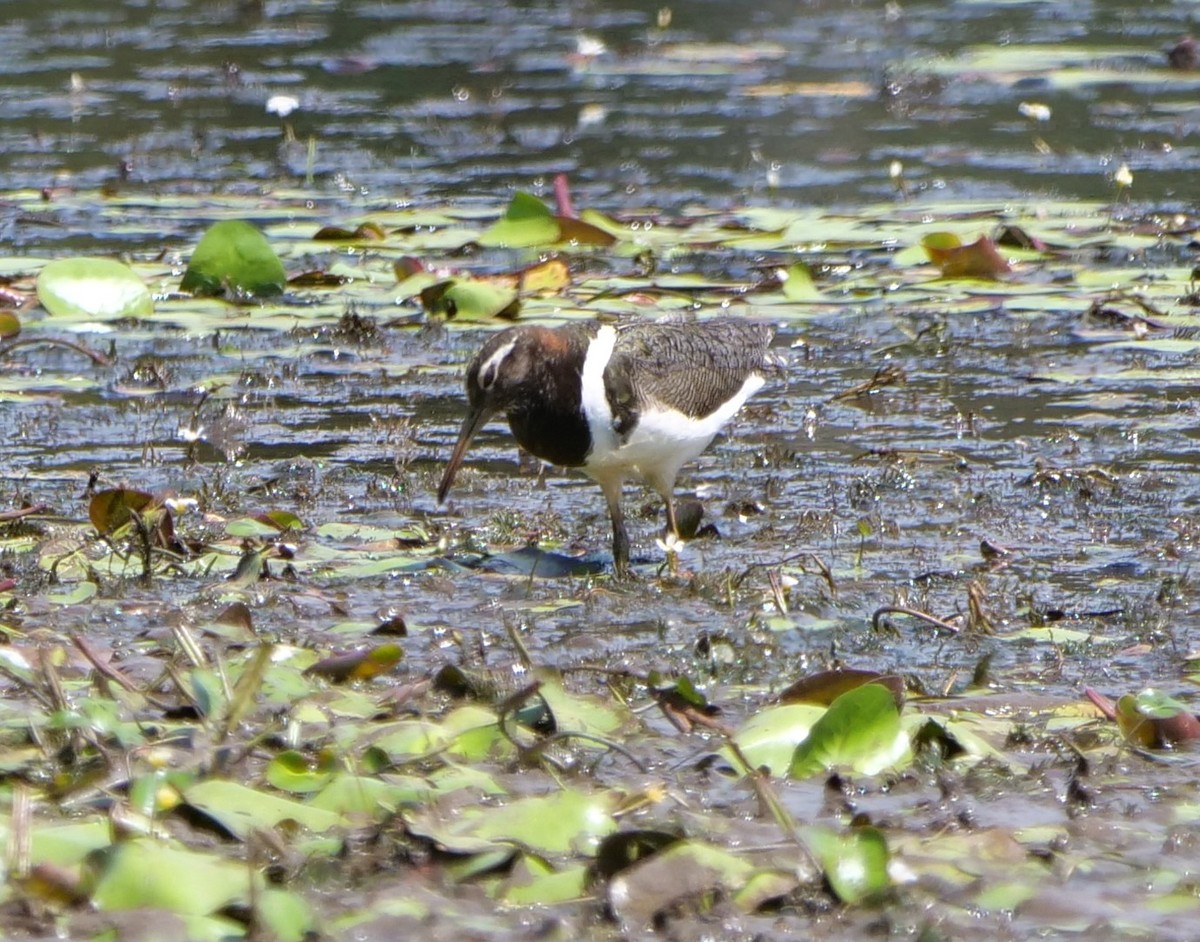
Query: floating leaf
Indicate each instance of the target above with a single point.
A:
(281, 520)
(582, 232)
(240, 809)
(285, 915)
(67, 844)
(10, 325)
(770, 737)
(78, 594)
(364, 232)
(466, 299)
(234, 257)
(558, 823)
(1156, 721)
(826, 686)
(855, 862)
(358, 665)
(533, 881)
(980, 259)
(372, 796)
(798, 284)
(546, 277)
(145, 873)
(111, 509)
(527, 221)
(291, 771)
(96, 288)
(861, 731)
(576, 712)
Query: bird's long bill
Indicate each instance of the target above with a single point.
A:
(475, 420)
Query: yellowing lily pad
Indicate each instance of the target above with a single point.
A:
(93, 289)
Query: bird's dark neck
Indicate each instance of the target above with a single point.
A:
(549, 421)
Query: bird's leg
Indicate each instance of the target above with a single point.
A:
(672, 524)
(620, 541)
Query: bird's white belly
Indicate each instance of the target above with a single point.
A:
(662, 441)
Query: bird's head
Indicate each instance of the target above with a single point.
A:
(497, 379)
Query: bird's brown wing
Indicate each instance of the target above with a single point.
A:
(691, 366)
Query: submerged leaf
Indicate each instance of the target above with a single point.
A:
(97, 288)
(684, 870)
(234, 256)
(532, 561)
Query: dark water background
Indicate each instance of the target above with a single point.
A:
(447, 100)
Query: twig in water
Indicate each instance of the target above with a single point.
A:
(98, 358)
(877, 618)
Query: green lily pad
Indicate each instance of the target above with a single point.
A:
(770, 737)
(93, 288)
(240, 809)
(558, 823)
(466, 299)
(234, 256)
(67, 844)
(291, 771)
(527, 221)
(532, 881)
(147, 873)
(855, 862)
(373, 797)
(285, 915)
(861, 731)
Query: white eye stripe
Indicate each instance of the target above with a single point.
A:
(490, 368)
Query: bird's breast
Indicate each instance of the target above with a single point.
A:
(559, 436)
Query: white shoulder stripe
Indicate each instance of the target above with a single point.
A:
(595, 401)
